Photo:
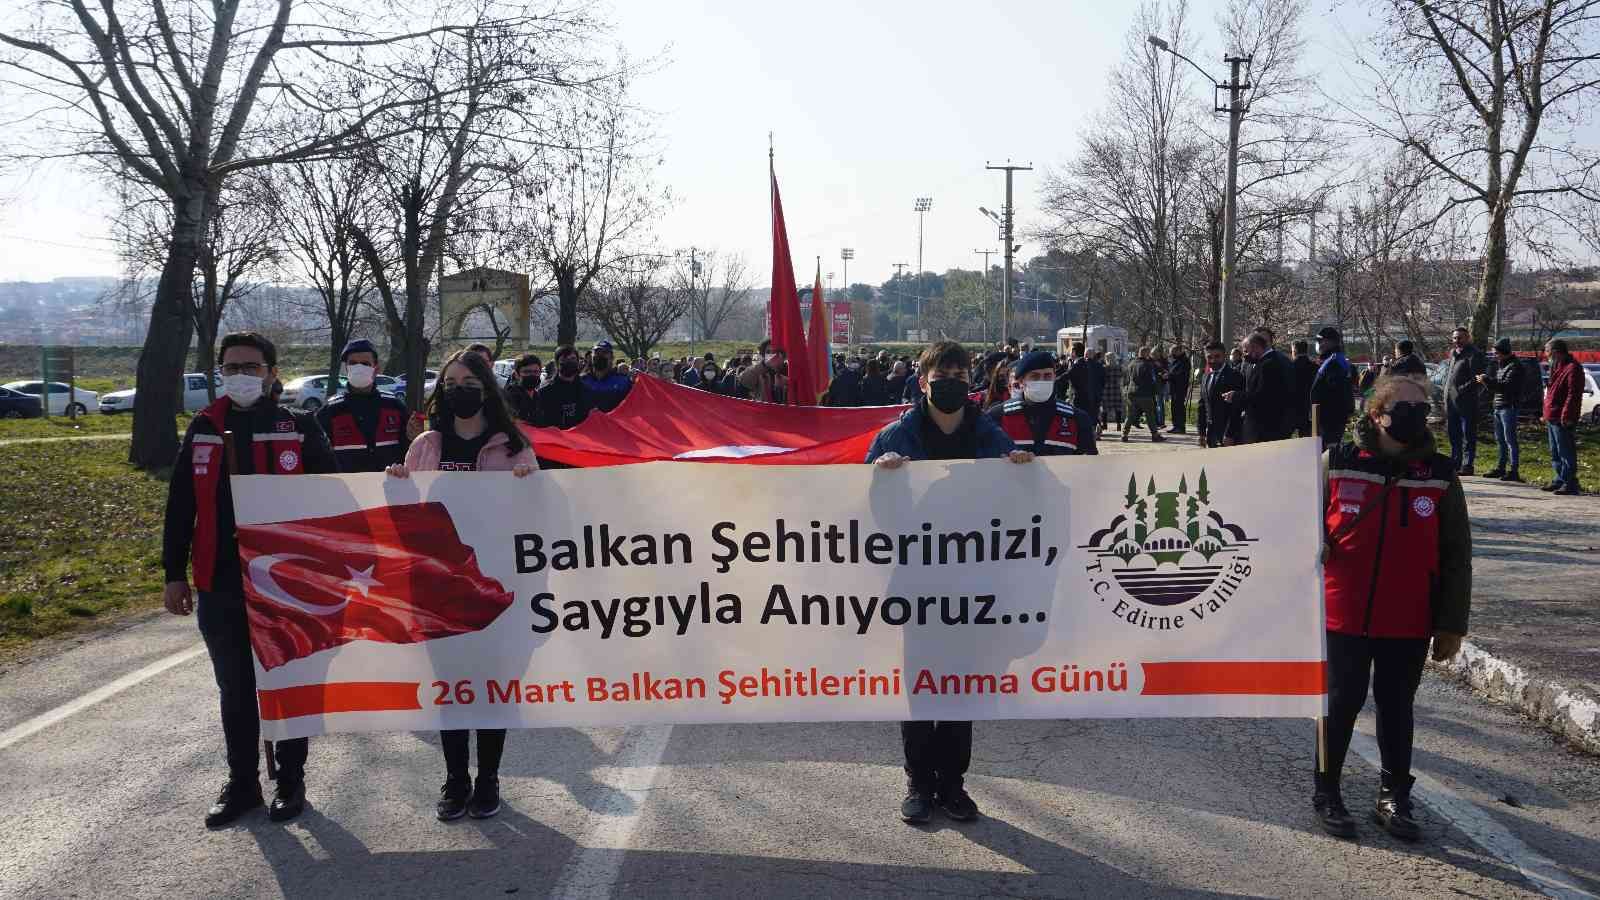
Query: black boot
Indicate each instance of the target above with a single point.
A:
(1332, 815)
(238, 797)
(1393, 811)
(1495, 472)
(917, 807)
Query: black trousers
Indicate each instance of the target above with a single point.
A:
(1394, 668)
(221, 617)
(1179, 409)
(491, 745)
(937, 753)
(1333, 430)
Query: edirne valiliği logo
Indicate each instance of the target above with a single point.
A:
(1168, 559)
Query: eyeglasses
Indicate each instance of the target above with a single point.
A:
(243, 369)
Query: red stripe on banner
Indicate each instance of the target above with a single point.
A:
(338, 697)
(1274, 678)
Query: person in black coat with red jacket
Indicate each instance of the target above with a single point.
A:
(266, 440)
(1397, 573)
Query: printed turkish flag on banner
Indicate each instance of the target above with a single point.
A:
(396, 574)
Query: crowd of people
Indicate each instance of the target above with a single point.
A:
(1397, 583)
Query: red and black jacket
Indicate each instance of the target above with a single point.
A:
(357, 449)
(267, 440)
(1064, 431)
(1399, 547)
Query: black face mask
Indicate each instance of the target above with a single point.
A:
(602, 363)
(948, 395)
(569, 367)
(463, 402)
(529, 382)
(1408, 422)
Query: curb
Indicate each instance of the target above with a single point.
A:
(1568, 713)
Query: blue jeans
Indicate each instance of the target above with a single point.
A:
(1461, 422)
(1505, 434)
(1161, 409)
(1563, 453)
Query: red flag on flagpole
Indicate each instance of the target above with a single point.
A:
(787, 330)
(817, 339)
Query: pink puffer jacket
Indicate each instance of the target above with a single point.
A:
(423, 456)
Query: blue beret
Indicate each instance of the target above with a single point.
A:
(1036, 359)
(359, 345)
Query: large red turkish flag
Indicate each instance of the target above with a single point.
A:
(396, 574)
(660, 420)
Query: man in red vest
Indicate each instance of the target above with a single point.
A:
(366, 426)
(1037, 421)
(266, 440)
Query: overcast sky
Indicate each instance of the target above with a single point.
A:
(872, 105)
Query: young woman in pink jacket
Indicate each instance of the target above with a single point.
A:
(478, 435)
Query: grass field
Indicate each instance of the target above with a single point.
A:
(80, 538)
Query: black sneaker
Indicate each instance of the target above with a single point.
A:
(485, 798)
(1332, 815)
(453, 799)
(1569, 490)
(1156, 438)
(1495, 472)
(917, 807)
(1513, 475)
(957, 805)
(1552, 486)
(288, 800)
(1465, 471)
(237, 798)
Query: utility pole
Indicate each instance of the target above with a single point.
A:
(694, 269)
(899, 274)
(846, 255)
(1230, 226)
(1007, 234)
(1235, 109)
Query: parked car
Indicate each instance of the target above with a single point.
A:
(1591, 393)
(17, 405)
(429, 377)
(309, 392)
(194, 395)
(64, 399)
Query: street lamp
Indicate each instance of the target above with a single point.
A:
(847, 254)
(922, 206)
(1235, 110)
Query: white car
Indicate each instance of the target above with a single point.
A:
(194, 395)
(308, 392)
(64, 400)
(1590, 404)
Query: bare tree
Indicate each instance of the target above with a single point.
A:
(589, 195)
(319, 205)
(182, 96)
(1486, 91)
(720, 288)
(634, 307)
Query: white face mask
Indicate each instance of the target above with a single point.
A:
(243, 390)
(1037, 391)
(360, 375)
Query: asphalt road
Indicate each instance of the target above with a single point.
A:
(110, 751)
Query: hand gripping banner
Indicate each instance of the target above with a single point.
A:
(1184, 584)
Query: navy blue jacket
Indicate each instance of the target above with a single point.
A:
(904, 436)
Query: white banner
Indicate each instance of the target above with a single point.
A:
(1164, 584)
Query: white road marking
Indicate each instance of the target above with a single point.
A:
(72, 707)
(594, 869)
(1484, 831)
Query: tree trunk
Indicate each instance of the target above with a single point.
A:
(1494, 275)
(166, 346)
(206, 356)
(567, 326)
